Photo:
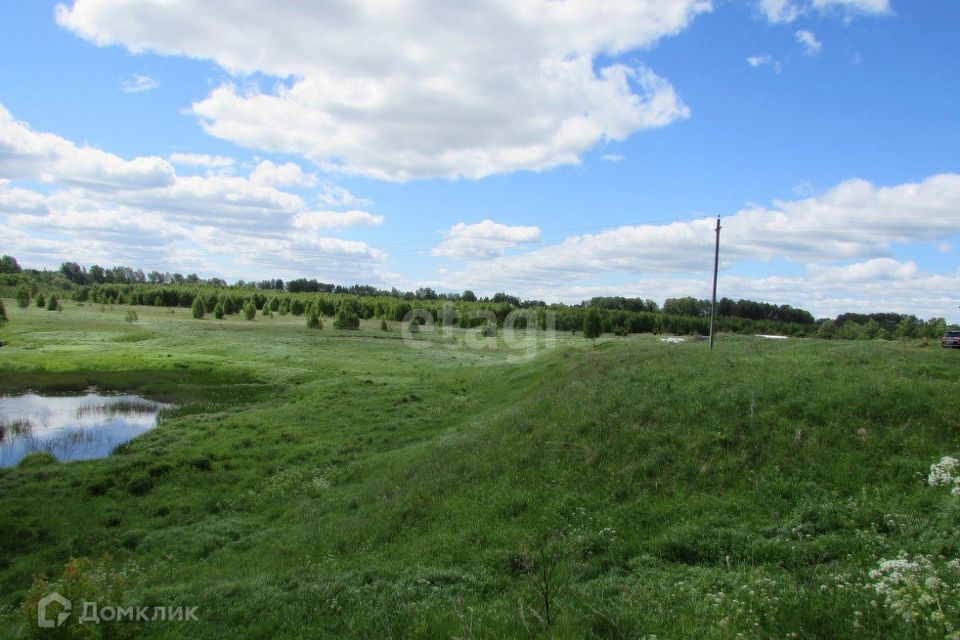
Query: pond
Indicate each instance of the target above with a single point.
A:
(76, 427)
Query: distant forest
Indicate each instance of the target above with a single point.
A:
(301, 296)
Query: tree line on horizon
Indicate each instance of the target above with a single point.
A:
(682, 315)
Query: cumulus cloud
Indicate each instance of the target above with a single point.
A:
(288, 174)
(424, 89)
(97, 207)
(336, 196)
(873, 270)
(322, 220)
(201, 160)
(853, 222)
(28, 155)
(484, 239)
(138, 84)
(811, 46)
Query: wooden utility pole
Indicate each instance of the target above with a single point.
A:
(713, 305)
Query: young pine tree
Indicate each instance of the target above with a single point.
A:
(249, 311)
(592, 325)
(23, 297)
(313, 320)
(346, 319)
(41, 301)
(53, 304)
(198, 308)
(218, 311)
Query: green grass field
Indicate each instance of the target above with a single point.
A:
(344, 485)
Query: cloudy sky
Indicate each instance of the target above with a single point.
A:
(555, 149)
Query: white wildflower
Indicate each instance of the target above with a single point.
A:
(943, 473)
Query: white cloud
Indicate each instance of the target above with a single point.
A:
(873, 270)
(811, 46)
(852, 8)
(322, 220)
(764, 60)
(902, 289)
(786, 11)
(612, 157)
(99, 208)
(16, 200)
(777, 11)
(201, 160)
(854, 221)
(288, 174)
(484, 239)
(336, 196)
(420, 89)
(138, 83)
(28, 155)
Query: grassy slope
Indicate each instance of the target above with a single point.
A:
(359, 488)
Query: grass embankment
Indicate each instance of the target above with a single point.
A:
(341, 484)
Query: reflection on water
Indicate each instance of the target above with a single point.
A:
(71, 427)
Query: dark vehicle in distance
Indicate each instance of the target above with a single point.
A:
(950, 339)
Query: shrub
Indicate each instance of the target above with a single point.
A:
(313, 321)
(140, 484)
(384, 326)
(346, 319)
(23, 297)
(265, 311)
(827, 330)
(3, 314)
(202, 463)
(41, 301)
(249, 311)
(297, 307)
(100, 487)
(620, 331)
(160, 469)
(198, 308)
(130, 316)
(82, 580)
(53, 304)
(218, 311)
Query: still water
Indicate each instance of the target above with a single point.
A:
(71, 427)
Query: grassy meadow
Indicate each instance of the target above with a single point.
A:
(340, 484)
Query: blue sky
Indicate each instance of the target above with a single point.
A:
(552, 150)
